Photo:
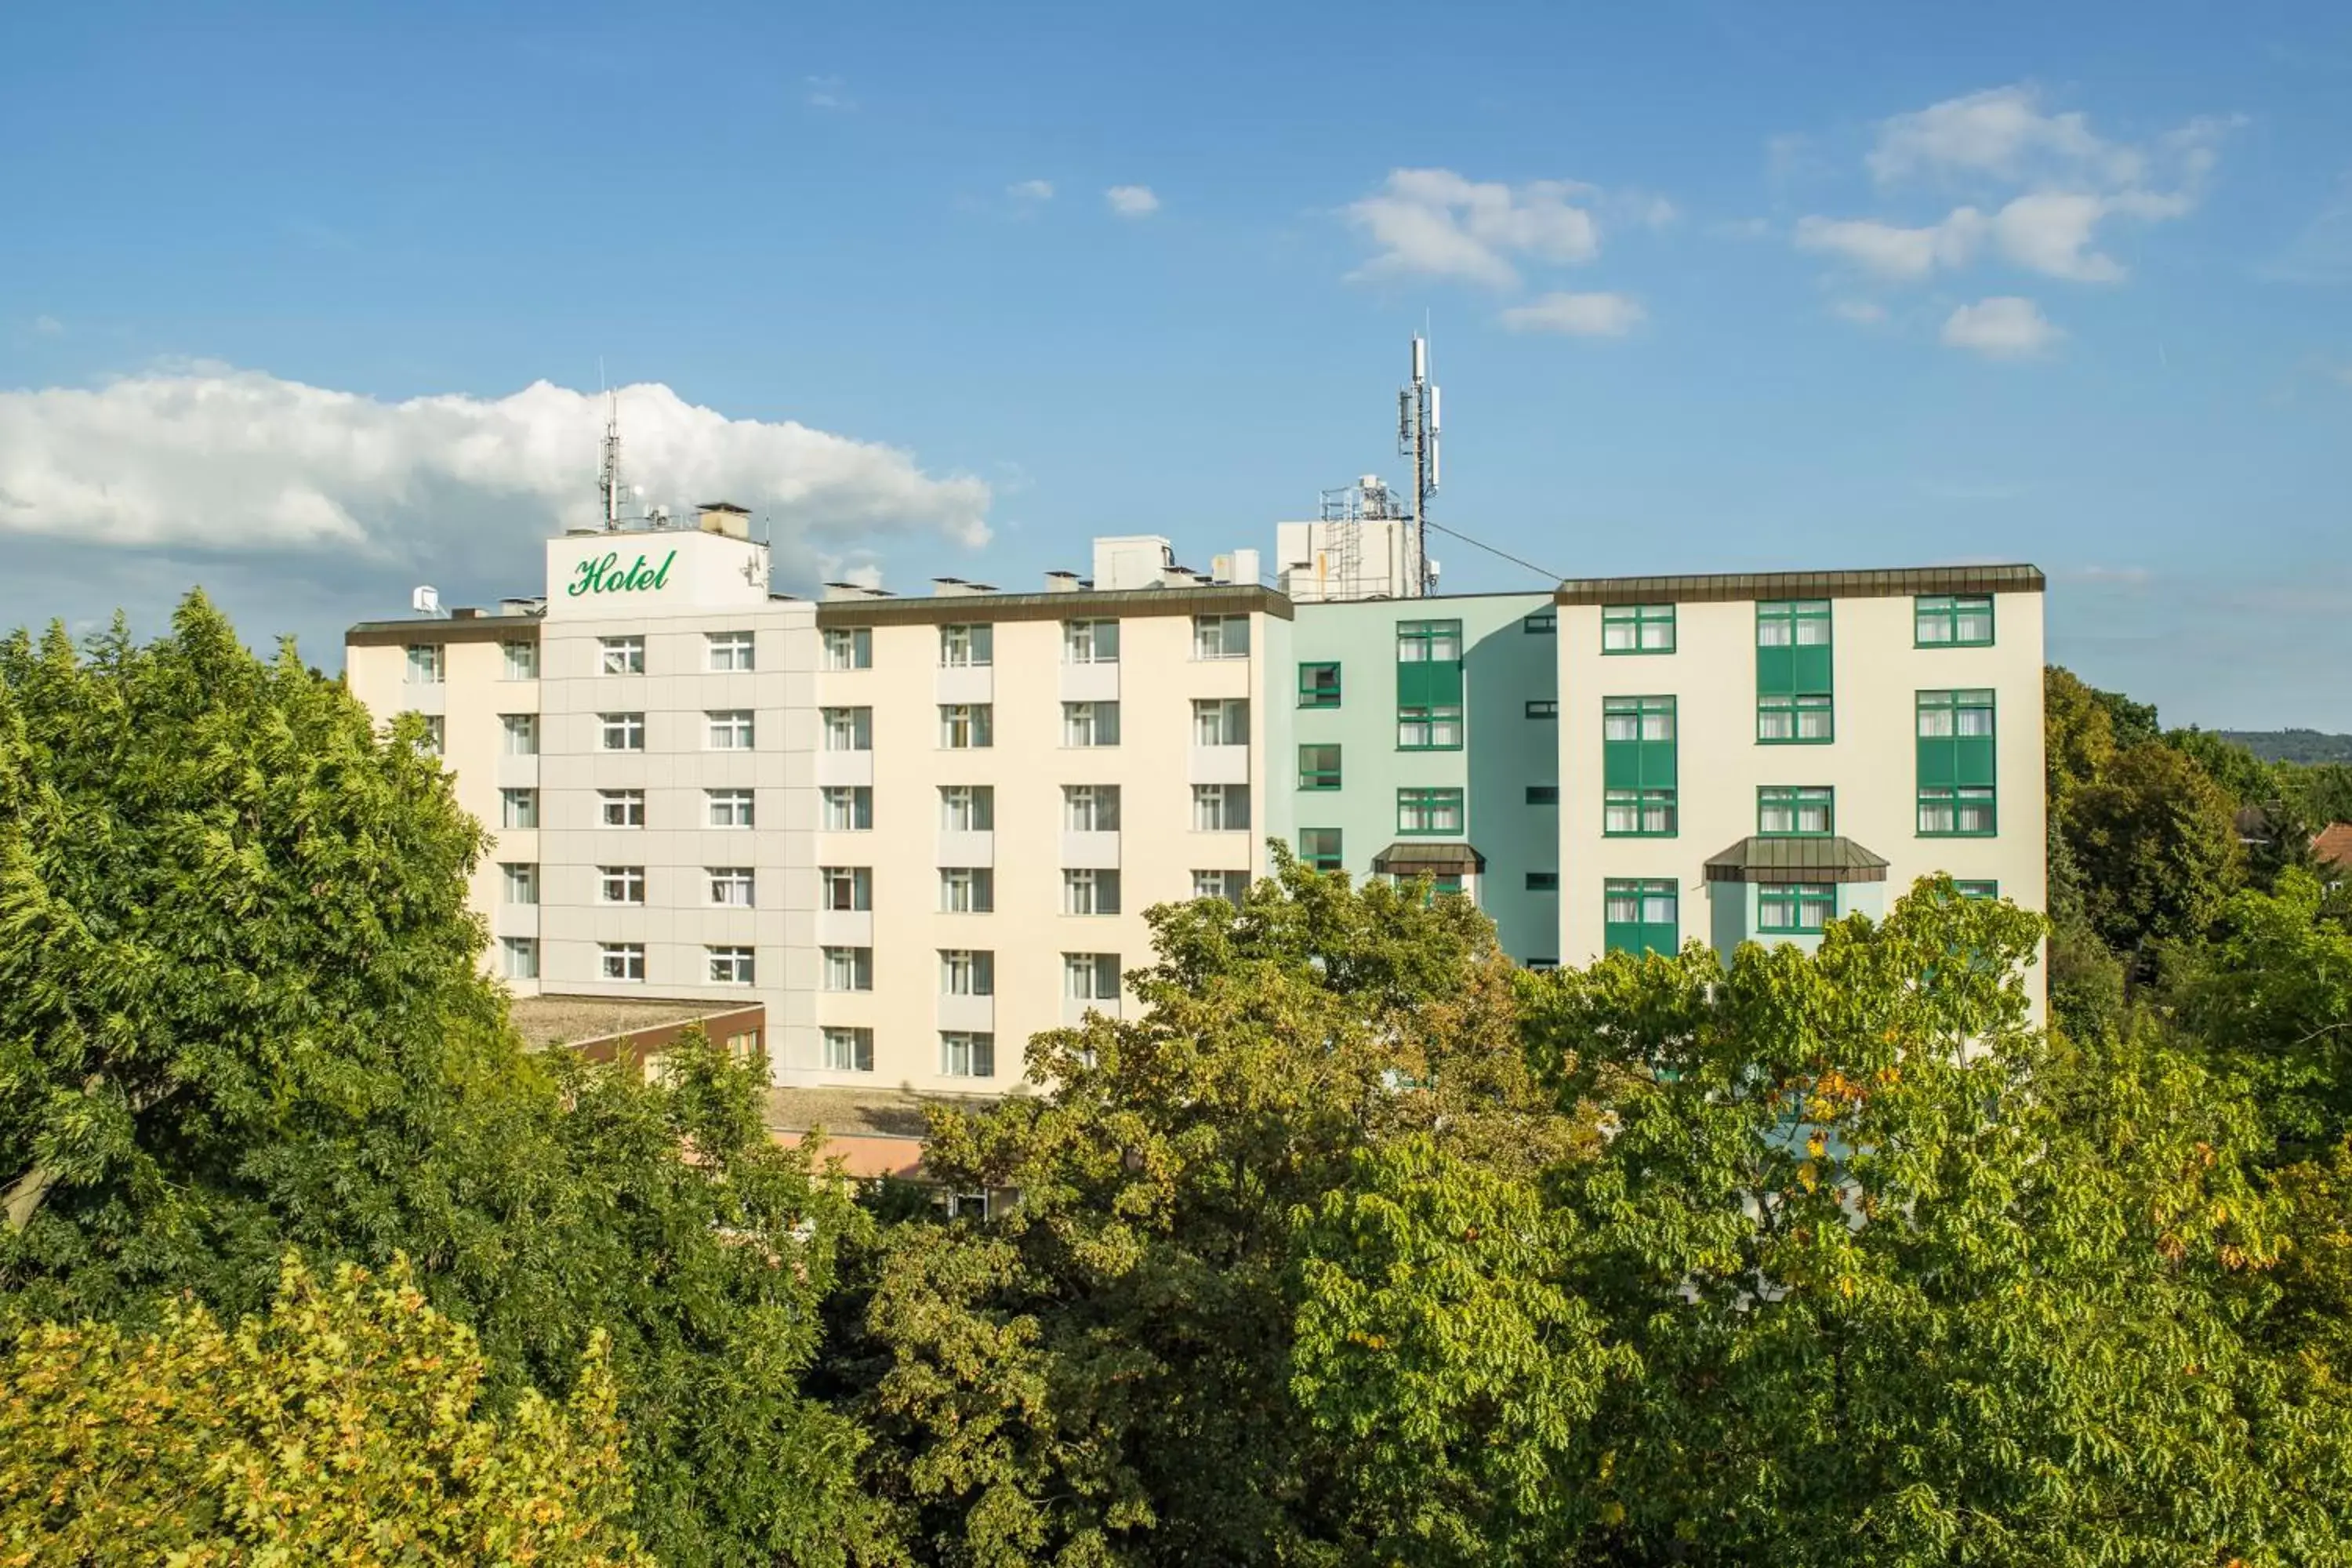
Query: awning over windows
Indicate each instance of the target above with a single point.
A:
(1422, 859)
(1830, 860)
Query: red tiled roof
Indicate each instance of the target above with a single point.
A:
(2334, 845)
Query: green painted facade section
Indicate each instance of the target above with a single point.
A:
(1503, 752)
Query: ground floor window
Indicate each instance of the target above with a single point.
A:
(1640, 915)
(1795, 909)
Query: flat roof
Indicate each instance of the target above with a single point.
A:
(545, 1021)
(1901, 581)
(1054, 604)
(444, 628)
(863, 1112)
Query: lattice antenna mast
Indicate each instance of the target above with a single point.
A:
(608, 477)
(1417, 421)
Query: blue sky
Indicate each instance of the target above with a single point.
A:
(1711, 287)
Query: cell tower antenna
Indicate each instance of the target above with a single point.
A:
(608, 477)
(1417, 439)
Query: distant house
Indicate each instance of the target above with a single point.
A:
(2333, 849)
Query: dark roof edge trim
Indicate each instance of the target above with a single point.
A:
(474, 628)
(1221, 599)
(1722, 587)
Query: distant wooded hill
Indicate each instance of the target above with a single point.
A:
(2293, 746)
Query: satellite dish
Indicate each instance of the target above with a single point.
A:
(426, 600)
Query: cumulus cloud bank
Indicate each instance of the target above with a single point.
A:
(1433, 222)
(216, 461)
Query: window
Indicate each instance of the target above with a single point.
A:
(1319, 767)
(1429, 728)
(521, 956)
(729, 965)
(1956, 763)
(1220, 808)
(848, 729)
(1952, 620)
(966, 973)
(967, 648)
(1090, 808)
(1090, 642)
(1429, 811)
(729, 807)
(728, 651)
(967, 1055)
(849, 1050)
(849, 969)
(968, 809)
(1793, 623)
(521, 733)
(848, 647)
(620, 807)
(1541, 623)
(1795, 811)
(968, 889)
(437, 736)
(1429, 642)
(623, 731)
(428, 664)
(1090, 976)
(1221, 636)
(1318, 686)
(1977, 889)
(522, 660)
(621, 960)
(622, 655)
(849, 808)
(1090, 892)
(1231, 885)
(1788, 719)
(1958, 811)
(966, 726)
(731, 886)
(1638, 814)
(1795, 909)
(518, 808)
(521, 881)
(1637, 628)
(1319, 848)
(1543, 795)
(1090, 723)
(847, 889)
(730, 729)
(743, 1050)
(1639, 765)
(621, 884)
(1543, 881)
(1543, 708)
(1639, 916)
(1220, 722)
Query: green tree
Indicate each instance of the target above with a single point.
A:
(1102, 1375)
(241, 1009)
(2158, 844)
(345, 1424)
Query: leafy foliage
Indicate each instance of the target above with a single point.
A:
(342, 1425)
(2158, 844)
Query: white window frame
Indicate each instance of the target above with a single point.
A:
(1082, 642)
(727, 652)
(848, 969)
(434, 663)
(732, 965)
(849, 808)
(1082, 724)
(967, 971)
(519, 957)
(967, 1052)
(1083, 977)
(518, 808)
(519, 886)
(1230, 885)
(522, 660)
(967, 890)
(735, 805)
(627, 729)
(974, 804)
(1221, 721)
(1215, 808)
(622, 962)
(1090, 890)
(520, 734)
(619, 808)
(729, 730)
(1090, 808)
(436, 734)
(732, 886)
(968, 644)
(615, 884)
(848, 1048)
(855, 881)
(1214, 636)
(621, 654)
(848, 729)
(967, 726)
(848, 647)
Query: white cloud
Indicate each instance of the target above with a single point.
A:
(1861, 312)
(1891, 251)
(2003, 327)
(1132, 201)
(1433, 222)
(48, 326)
(827, 93)
(2001, 132)
(1578, 315)
(220, 461)
(1031, 191)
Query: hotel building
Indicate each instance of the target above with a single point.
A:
(920, 830)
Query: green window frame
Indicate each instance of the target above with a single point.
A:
(1793, 718)
(1640, 915)
(1543, 881)
(1543, 795)
(1319, 767)
(1794, 650)
(1429, 813)
(1543, 707)
(1639, 766)
(1958, 811)
(1319, 848)
(1318, 685)
(1540, 623)
(1637, 628)
(1637, 813)
(1795, 811)
(1952, 620)
(1795, 909)
(1973, 890)
(1429, 642)
(1429, 728)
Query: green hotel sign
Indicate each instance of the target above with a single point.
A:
(605, 575)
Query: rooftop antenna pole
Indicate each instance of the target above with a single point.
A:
(1417, 422)
(608, 478)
